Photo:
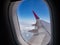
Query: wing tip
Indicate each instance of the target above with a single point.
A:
(35, 15)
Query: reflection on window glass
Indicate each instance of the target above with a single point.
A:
(34, 20)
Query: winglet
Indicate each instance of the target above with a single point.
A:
(35, 15)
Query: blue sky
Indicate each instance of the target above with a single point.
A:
(24, 10)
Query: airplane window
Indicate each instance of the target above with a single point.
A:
(34, 22)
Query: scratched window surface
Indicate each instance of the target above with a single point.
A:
(34, 20)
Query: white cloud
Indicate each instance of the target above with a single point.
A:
(26, 24)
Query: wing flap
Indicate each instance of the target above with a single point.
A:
(33, 31)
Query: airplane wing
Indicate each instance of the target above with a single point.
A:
(36, 39)
(41, 38)
(43, 26)
(47, 26)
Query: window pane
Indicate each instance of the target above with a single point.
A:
(34, 20)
